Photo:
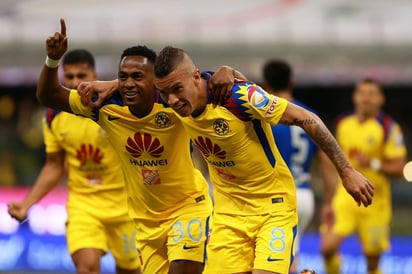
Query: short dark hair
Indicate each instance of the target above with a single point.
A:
(168, 59)
(370, 80)
(140, 51)
(278, 74)
(77, 56)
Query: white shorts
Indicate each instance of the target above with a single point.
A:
(306, 210)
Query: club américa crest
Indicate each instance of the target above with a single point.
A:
(162, 120)
(221, 126)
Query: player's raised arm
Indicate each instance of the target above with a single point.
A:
(49, 90)
(355, 183)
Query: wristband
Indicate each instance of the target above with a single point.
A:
(375, 164)
(51, 63)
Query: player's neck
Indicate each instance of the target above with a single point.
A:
(363, 116)
(141, 110)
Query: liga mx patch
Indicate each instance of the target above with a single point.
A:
(257, 97)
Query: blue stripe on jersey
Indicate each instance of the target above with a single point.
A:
(50, 115)
(387, 123)
(264, 141)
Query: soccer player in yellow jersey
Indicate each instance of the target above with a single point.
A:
(373, 142)
(167, 198)
(97, 207)
(254, 221)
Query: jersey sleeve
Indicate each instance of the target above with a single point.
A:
(249, 101)
(51, 142)
(395, 146)
(79, 109)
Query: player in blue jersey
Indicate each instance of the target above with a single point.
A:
(298, 150)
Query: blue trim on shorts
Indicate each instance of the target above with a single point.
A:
(295, 230)
(207, 236)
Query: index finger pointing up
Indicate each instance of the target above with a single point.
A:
(63, 26)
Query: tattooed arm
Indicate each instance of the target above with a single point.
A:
(355, 183)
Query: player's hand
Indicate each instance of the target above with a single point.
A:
(17, 210)
(94, 93)
(220, 85)
(358, 186)
(56, 45)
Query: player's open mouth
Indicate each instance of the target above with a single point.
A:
(131, 94)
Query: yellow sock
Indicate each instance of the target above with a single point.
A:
(332, 265)
(377, 271)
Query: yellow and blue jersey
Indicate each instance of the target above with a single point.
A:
(379, 137)
(95, 181)
(248, 173)
(154, 152)
(297, 149)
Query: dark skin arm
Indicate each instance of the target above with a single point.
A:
(94, 93)
(49, 90)
(355, 183)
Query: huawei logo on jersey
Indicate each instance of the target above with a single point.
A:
(206, 146)
(221, 165)
(144, 142)
(89, 152)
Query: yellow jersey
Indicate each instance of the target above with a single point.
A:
(154, 152)
(247, 171)
(379, 137)
(95, 181)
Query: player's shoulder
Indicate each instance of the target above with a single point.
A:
(116, 99)
(51, 115)
(387, 123)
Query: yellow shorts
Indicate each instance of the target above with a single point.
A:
(85, 231)
(181, 238)
(371, 223)
(244, 243)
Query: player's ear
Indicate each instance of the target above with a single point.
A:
(197, 77)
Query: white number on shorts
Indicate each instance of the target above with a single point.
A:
(277, 243)
(178, 229)
(129, 243)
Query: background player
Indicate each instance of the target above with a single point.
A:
(96, 205)
(373, 142)
(298, 150)
(254, 220)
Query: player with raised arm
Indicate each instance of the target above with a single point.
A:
(98, 220)
(255, 219)
(167, 198)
